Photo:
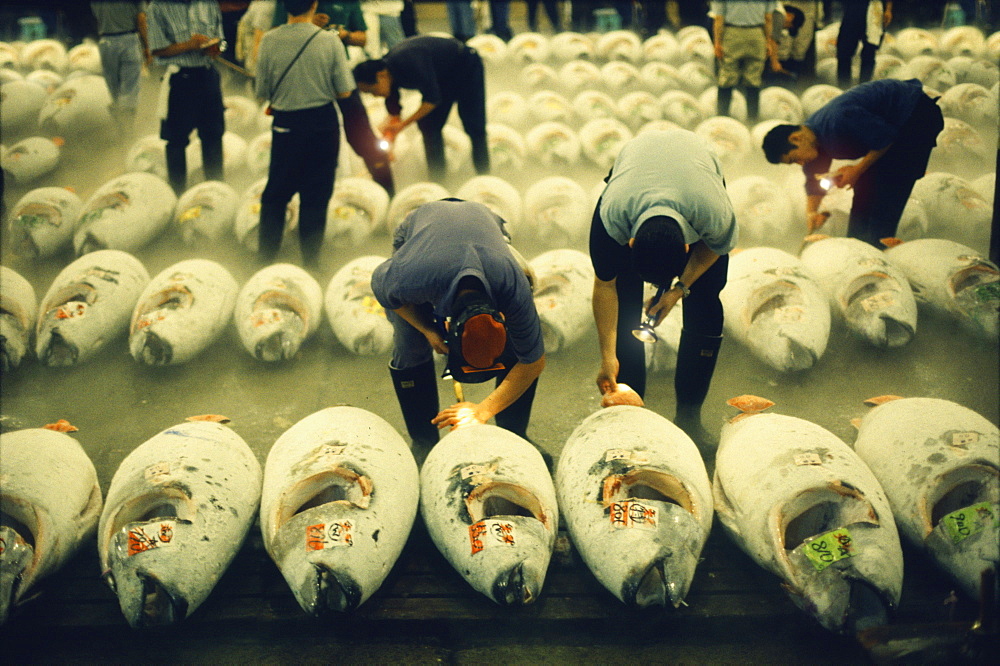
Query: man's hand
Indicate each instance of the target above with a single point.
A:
(662, 308)
(607, 377)
(436, 340)
(390, 127)
(816, 219)
(847, 176)
(460, 414)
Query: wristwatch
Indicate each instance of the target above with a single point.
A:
(685, 292)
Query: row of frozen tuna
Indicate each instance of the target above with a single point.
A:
(172, 317)
(340, 490)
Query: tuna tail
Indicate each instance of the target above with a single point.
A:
(59, 351)
(18, 555)
(154, 350)
(512, 589)
(331, 592)
(275, 347)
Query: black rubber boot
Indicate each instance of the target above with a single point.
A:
(696, 356)
(416, 390)
(753, 104)
(724, 99)
(515, 419)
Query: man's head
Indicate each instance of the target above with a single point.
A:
(299, 7)
(658, 250)
(372, 76)
(477, 334)
(790, 144)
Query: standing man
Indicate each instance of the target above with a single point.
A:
(124, 48)
(743, 42)
(891, 125)
(185, 35)
(665, 218)
(454, 287)
(863, 21)
(301, 70)
(445, 71)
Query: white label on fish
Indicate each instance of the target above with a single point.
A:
(634, 514)
(155, 534)
(625, 454)
(809, 458)
(329, 535)
(963, 439)
(491, 533)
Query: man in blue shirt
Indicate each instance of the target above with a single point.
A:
(891, 125)
(664, 218)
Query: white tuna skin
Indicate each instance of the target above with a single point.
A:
(182, 310)
(512, 484)
(410, 198)
(49, 486)
(763, 209)
(496, 194)
(44, 54)
(277, 310)
(206, 211)
(43, 220)
(507, 149)
(559, 210)
(18, 309)
(125, 213)
(29, 159)
(576, 74)
(933, 457)
(81, 104)
(619, 45)
(955, 210)
(871, 295)
(357, 208)
(626, 452)
(569, 45)
(554, 143)
(338, 464)
(953, 280)
(21, 102)
(762, 485)
(87, 306)
(550, 106)
(602, 139)
(564, 283)
(201, 475)
(354, 314)
(776, 308)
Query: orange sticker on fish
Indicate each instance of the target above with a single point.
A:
(634, 514)
(490, 533)
(156, 534)
(330, 535)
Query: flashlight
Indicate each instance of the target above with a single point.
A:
(826, 182)
(645, 332)
(383, 144)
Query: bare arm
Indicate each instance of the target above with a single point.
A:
(412, 316)
(605, 305)
(717, 29)
(194, 44)
(140, 25)
(503, 396)
(393, 125)
(699, 261)
(847, 176)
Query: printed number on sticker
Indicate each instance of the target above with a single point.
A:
(157, 534)
(329, 535)
(490, 533)
(825, 549)
(963, 523)
(631, 513)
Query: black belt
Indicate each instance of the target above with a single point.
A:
(115, 34)
(732, 25)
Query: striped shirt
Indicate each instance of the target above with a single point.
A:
(174, 21)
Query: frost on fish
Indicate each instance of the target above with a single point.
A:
(355, 315)
(182, 310)
(872, 296)
(952, 280)
(18, 309)
(278, 308)
(804, 506)
(938, 463)
(356, 210)
(776, 308)
(124, 213)
(637, 503)
(87, 306)
(49, 501)
(557, 213)
(340, 496)
(564, 282)
(206, 211)
(41, 223)
(410, 198)
(489, 505)
(30, 158)
(496, 194)
(177, 512)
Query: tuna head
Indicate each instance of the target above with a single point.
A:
(841, 563)
(976, 290)
(66, 320)
(781, 330)
(281, 323)
(880, 309)
(17, 555)
(145, 344)
(12, 342)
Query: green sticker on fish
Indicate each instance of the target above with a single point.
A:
(962, 524)
(825, 549)
(988, 292)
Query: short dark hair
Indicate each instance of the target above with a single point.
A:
(298, 7)
(776, 143)
(658, 254)
(365, 72)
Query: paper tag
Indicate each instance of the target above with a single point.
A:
(963, 439)
(624, 454)
(156, 534)
(633, 513)
(153, 471)
(808, 458)
(71, 309)
(879, 301)
(962, 524)
(475, 470)
(329, 535)
(490, 533)
(825, 549)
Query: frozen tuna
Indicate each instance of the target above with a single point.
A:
(619, 45)
(182, 310)
(206, 211)
(528, 47)
(124, 214)
(81, 104)
(356, 210)
(18, 309)
(340, 495)
(50, 500)
(804, 506)
(557, 212)
(637, 502)
(775, 308)
(871, 295)
(564, 283)
(571, 45)
(41, 223)
(88, 306)
(765, 213)
(21, 102)
(277, 310)
(44, 54)
(29, 159)
(553, 143)
(354, 313)
(177, 512)
(579, 74)
(410, 198)
(937, 462)
(602, 139)
(955, 211)
(507, 149)
(952, 280)
(496, 194)
(489, 505)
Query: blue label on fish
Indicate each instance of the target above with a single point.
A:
(825, 549)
